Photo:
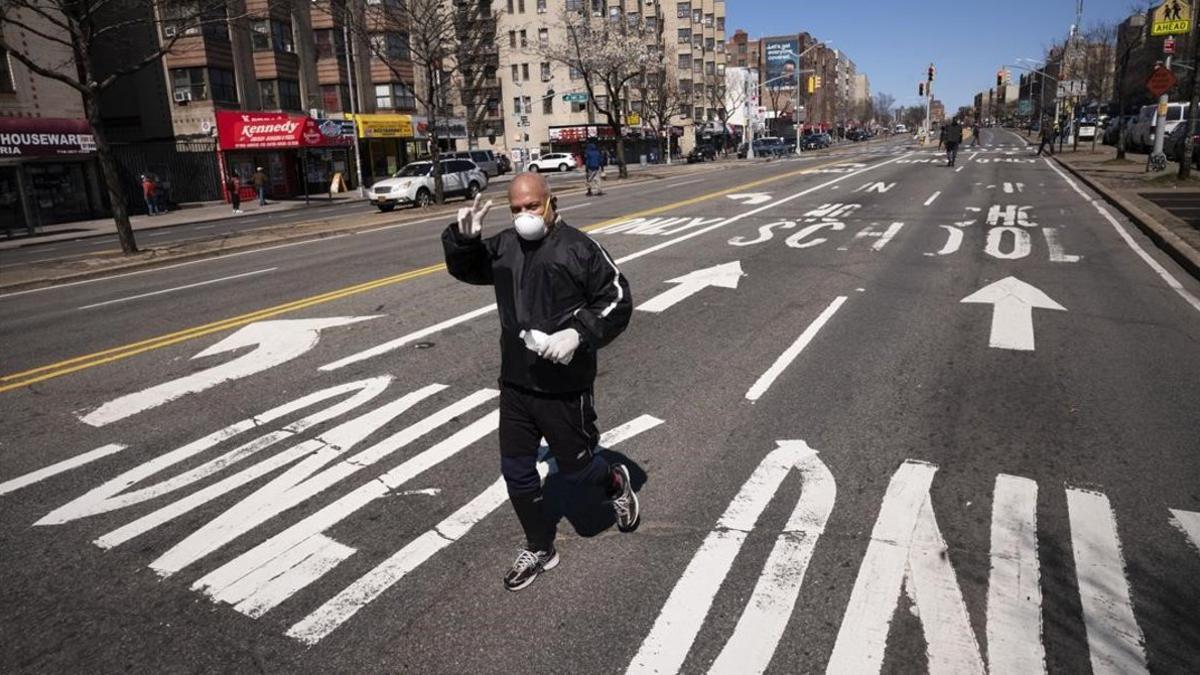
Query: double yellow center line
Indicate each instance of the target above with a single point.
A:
(78, 363)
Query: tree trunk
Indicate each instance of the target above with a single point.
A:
(112, 181)
(439, 195)
(623, 170)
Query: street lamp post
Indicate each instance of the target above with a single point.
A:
(799, 71)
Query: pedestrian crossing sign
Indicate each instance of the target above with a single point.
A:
(1173, 17)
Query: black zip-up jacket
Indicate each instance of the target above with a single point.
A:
(566, 280)
(954, 134)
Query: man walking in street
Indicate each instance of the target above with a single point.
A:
(975, 135)
(260, 185)
(953, 136)
(560, 299)
(1047, 135)
(593, 162)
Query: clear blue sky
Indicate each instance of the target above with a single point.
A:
(893, 41)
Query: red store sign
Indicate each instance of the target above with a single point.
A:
(40, 137)
(269, 130)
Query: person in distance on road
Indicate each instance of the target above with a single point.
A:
(560, 298)
(953, 136)
(593, 162)
(1048, 134)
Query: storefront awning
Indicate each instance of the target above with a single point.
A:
(41, 137)
(272, 131)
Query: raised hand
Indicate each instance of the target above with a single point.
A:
(470, 218)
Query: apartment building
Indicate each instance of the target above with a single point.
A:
(532, 116)
(48, 170)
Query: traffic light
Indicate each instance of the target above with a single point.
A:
(810, 84)
(931, 72)
(999, 78)
(920, 89)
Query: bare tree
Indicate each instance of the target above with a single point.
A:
(87, 28)
(1099, 60)
(607, 55)
(884, 103)
(430, 58)
(661, 99)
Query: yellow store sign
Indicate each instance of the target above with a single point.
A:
(383, 126)
(1173, 17)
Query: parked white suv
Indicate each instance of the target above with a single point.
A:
(555, 161)
(1141, 135)
(414, 184)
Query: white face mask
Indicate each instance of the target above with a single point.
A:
(530, 226)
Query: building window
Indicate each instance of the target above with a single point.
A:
(698, 114)
(512, 39)
(575, 73)
(514, 73)
(683, 10)
(223, 84)
(708, 20)
(697, 16)
(510, 6)
(741, 48)
(493, 107)
(187, 84)
(710, 68)
(545, 72)
(390, 46)
(394, 96)
(548, 105)
(335, 97)
(524, 39)
(720, 23)
(541, 6)
(525, 71)
(721, 69)
(272, 35)
(652, 25)
(575, 6)
(279, 94)
(685, 61)
(578, 107)
(543, 36)
(685, 87)
(521, 6)
(329, 43)
(614, 14)
(710, 44)
(489, 72)
(597, 7)
(6, 77)
(522, 105)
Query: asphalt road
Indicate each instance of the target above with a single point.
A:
(843, 465)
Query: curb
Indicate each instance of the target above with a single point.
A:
(1170, 243)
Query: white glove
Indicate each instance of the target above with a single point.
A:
(470, 218)
(560, 347)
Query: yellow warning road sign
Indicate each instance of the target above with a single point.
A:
(1173, 17)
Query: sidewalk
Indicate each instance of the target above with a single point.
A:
(198, 212)
(1132, 190)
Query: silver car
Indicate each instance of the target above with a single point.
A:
(414, 184)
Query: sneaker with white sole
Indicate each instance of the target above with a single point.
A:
(625, 501)
(528, 565)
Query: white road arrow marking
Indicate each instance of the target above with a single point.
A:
(725, 276)
(275, 342)
(750, 198)
(1012, 317)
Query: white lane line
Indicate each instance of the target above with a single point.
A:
(666, 647)
(1114, 637)
(959, 169)
(1158, 269)
(573, 207)
(785, 359)
(55, 469)
(158, 233)
(404, 340)
(758, 631)
(688, 182)
(340, 608)
(207, 227)
(932, 197)
(1188, 522)
(179, 288)
(1014, 600)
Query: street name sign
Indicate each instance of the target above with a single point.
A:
(1160, 80)
(1173, 17)
(575, 98)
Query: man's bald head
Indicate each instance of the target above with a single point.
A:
(530, 192)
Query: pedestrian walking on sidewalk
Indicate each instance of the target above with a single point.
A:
(560, 298)
(149, 190)
(234, 187)
(1048, 135)
(593, 162)
(952, 135)
(260, 185)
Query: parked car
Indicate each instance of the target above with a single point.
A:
(857, 135)
(1173, 144)
(900, 129)
(815, 141)
(554, 161)
(503, 163)
(770, 146)
(1112, 131)
(413, 184)
(1142, 138)
(484, 159)
(701, 153)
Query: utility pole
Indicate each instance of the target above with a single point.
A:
(928, 102)
(1185, 161)
(354, 107)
